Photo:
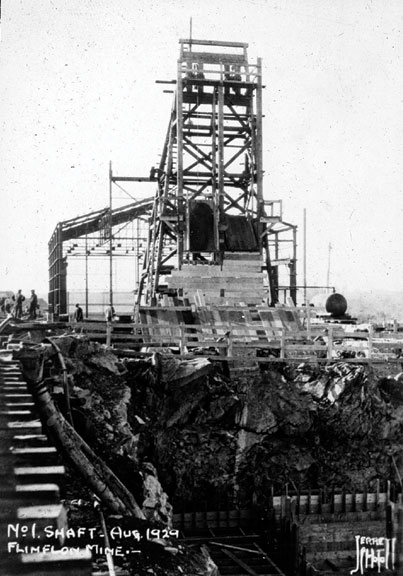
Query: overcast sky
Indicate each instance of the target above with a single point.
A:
(78, 90)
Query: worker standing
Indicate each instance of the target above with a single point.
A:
(197, 73)
(109, 314)
(78, 317)
(33, 305)
(78, 314)
(19, 299)
(8, 306)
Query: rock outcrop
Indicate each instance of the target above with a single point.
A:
(202, 435)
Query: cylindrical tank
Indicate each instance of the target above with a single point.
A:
(336, 305)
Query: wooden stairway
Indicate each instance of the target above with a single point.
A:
(30, 480)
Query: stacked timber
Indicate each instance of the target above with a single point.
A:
(239, 280)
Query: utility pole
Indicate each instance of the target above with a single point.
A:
(86, 276)
(328, 264)
(305, 282)
(110, 238)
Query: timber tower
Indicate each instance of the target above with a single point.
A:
(209, 206)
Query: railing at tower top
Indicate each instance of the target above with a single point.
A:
(215, 63)
(248, 73)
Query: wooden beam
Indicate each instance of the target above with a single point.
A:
(131, 179)
(222, 545)
(269, 560)
(213, 43)
(214, 58)
(179, 191)
(240, 562)
(221, 161)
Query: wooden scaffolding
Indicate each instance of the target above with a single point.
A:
(209, 199)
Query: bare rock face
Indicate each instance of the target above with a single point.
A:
(309, 427)
(83, 356)
(350, 433)
(276, 406)
(336, 425)
(190, 432)
(201, 433)
(156, 506)
(100, 399)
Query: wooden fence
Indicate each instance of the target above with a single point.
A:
(232, 340)
(385, 503)
(372, 496)
(223, 508)
(394, 528)
(278, 522)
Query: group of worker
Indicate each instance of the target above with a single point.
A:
(13, 305)
(232, 74)
(78, 315)
(78, 318)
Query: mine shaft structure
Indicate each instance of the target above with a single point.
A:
(208, 206)
(209, 200)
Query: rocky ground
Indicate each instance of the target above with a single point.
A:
(184, 435)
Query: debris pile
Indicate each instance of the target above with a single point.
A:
(165, 426)
(101, 403)
(336, 426)
(189, 429)
(310, 426)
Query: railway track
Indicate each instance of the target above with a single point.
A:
(31, 477)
